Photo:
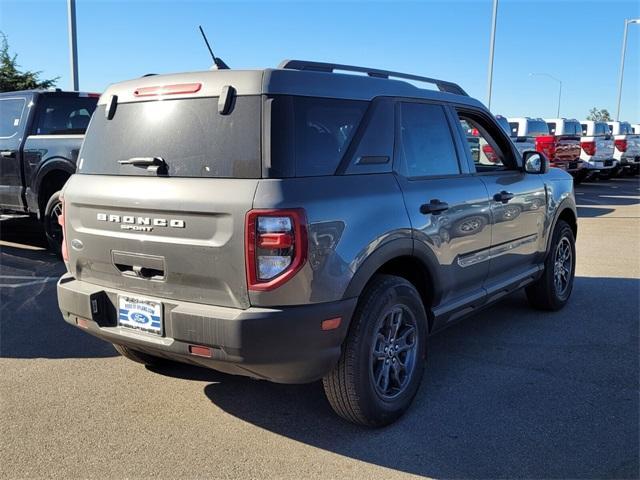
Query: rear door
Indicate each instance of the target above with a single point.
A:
(518, 206)
(172, 224)
(14, 115)
(448, 207)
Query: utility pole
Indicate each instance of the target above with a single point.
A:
(624, 50)
(492, 44)
(73, 43)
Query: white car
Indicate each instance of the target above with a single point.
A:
(627, 146)
(597, 148)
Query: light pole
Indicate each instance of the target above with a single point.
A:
(492, 44)
(624, 49)
(73, 43)
(559, 87)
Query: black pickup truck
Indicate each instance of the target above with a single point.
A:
(41, 132)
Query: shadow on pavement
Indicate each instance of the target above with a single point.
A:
(31, 326)
(510, 393)
(592, 212)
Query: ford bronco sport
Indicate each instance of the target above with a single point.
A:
(296, 224)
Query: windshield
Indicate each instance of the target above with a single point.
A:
(189, 135)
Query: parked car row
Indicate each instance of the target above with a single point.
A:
(585, 149)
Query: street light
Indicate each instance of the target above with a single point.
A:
(624, 49)
(559, 89)
(492, 43)
(73, 43)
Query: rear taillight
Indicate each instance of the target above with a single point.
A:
(490, 153)
(547, 145)
(65, 253)
(276, 246)
(589, 147)
(621, 145)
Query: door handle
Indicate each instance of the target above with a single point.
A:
(503, 196)
(7, 154)
(434, 207)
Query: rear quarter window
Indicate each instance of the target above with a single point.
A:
(309, 136)
(514, 129)
(552, 128)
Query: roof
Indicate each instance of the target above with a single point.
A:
(46, 91)
(294, 81)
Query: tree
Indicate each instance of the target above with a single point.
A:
(12, 79)
(597, 115)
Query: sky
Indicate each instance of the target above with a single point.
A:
(576, 41)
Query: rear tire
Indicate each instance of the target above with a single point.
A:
(52, 229)
(553, 289)
(383, 356)
(139, 357)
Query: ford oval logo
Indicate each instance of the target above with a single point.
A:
(139, 317)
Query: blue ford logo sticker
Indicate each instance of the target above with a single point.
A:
(139, 317)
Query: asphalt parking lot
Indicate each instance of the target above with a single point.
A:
(511, 393)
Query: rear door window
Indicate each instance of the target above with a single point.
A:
(12, 113)
(64, 115)
(426, 143)
(309, 136)
(189, 135)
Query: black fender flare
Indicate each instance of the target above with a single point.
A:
(567, 203)
(60, 164)
(401, 247)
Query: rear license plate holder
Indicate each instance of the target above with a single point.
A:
(141, 314)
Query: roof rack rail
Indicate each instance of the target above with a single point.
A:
(442, 85)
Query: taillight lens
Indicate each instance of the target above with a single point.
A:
(547, 145)
(276, 246)
(589, 147)
(65, 252)
(621, 145)
(490, 153)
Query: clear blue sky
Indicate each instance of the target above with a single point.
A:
(447, 39)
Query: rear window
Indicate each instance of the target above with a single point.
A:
(535, 128)
(64, 115)
(572, 128)
(309, 136)
(192, 138)
(11, 112)
(601, 129)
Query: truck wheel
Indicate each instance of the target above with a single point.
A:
(139, 357)
(383, 356)
(52, 228)
(553, 289)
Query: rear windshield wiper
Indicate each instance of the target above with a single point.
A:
(154, 164)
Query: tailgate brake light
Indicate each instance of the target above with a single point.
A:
(621, 145)
(589, 147)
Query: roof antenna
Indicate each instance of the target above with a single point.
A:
(218, 63)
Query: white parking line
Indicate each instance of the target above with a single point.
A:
(32, 280)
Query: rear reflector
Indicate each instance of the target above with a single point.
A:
(331, 324)
(82, 322)
(176, 89)
(200, 351)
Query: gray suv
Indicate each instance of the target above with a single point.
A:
(296, 224)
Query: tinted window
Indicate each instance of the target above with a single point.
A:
(514, 129)
(426, 143)
(11, 112)
(625, 128)
(189, 134)
(535, 128)
(552, 128)
(61, 115)
(572, 128)
(482, 146)
(584, 129)
(309, 136)
(601, 129)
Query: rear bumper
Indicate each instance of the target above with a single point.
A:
(284, 345)
(601, 164)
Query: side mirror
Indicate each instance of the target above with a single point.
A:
(535, 162)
